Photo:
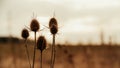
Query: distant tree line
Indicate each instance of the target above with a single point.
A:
(8, 39)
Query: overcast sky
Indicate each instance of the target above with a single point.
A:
(79, 20)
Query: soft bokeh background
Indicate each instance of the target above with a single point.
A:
(79, 20)
(88, 35)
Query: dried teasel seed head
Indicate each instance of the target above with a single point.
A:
(25, 33)
(54, 29)
(34, 25)
(52, 21)
(41, 43)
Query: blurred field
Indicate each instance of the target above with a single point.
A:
(13, 55)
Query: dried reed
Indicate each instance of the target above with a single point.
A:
(41, 45)
(25, 35)
(34, 26)
(53, 29)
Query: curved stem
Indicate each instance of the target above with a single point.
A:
(27, 52)
(34, 52)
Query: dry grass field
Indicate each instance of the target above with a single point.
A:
(13, 55)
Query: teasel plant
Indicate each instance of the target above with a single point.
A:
(41, 45)
(34, 26)
(53, 26)
(25, 35)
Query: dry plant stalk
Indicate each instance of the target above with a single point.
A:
(25, 35)
(53, 29)
(41, 42)
(41, 45)
(34, 26)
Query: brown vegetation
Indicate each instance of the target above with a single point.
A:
(67, 56)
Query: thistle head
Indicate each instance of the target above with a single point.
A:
(34, 25)
(25, 33)
(54, 29)
(52, 21)
(41, 43)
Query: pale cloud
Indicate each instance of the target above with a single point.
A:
(82, 16)
(86, 4)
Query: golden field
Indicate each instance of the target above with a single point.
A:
(13, 55)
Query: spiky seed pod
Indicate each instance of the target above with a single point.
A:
(25, 33)
(41, 43)
(34, 25)
(52, 21)
(54, 29)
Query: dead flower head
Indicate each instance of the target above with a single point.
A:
(25, 33)
(41, 43)
(34, 25)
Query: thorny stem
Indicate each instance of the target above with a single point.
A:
(51, 65)
(34, 52)
(41, 60)
(53, 52)
(28, 56)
